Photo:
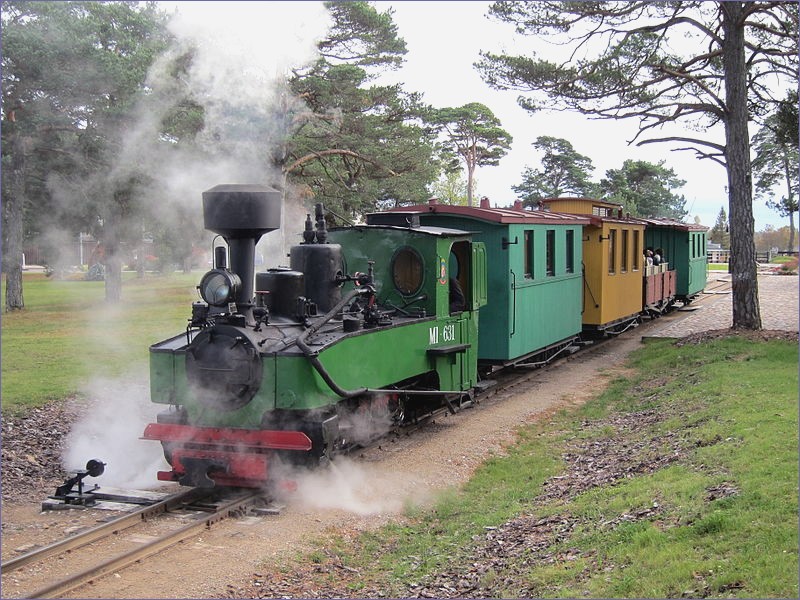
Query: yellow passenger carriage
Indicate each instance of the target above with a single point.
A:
(613, 261)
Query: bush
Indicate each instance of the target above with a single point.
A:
(789, 267)
(97, 272)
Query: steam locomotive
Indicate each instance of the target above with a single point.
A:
(375, 325)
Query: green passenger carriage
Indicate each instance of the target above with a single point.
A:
(535, 280)
(684, 247)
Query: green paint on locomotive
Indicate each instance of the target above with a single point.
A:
(373, 358)
(402, 283)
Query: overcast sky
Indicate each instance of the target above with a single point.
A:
(444, 40)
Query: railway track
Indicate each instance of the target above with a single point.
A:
(111, 546)
(713, 287)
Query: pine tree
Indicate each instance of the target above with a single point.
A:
(720, 233)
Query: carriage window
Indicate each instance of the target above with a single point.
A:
(407, 271)
(551, 252)
(528, 254)
(636, 252)
(612, 249)
(623, 267)
(570, 251)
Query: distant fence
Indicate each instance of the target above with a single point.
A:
(723, 256)
(763, 257)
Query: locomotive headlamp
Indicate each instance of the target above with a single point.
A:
(218, 287)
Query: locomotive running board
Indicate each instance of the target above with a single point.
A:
(218, 436)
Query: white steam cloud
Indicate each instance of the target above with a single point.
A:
(241, 56)
(110, 432)
(362, 489)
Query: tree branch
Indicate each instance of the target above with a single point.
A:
(334, 152)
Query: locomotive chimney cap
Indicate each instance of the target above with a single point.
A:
(238, 211)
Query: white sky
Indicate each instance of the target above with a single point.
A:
(444, 40)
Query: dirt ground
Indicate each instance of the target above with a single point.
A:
(358, 494)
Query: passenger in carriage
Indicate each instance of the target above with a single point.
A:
(648, 257)
(657, 257)
(661, 258)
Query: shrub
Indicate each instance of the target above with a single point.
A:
(789, 267)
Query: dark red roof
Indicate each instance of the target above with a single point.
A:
(673, 223)
(495, 215)
(598, 221)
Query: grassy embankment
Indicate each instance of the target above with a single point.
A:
(67, 332)
(704, 439)
(717, 267)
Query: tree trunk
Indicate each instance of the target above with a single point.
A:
(113, 261)
(470, 179)
(113, 275)
(470, 175)
(787, 171)
(746, 311)
(13, 225)
(140, 261)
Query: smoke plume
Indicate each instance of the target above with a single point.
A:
(109, 431)
(241, 54)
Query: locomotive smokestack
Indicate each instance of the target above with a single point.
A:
(242, 214)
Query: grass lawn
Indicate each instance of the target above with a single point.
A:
(705, 505)
(67, 331)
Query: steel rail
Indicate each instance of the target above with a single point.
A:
(59, 588)
(102, 531)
